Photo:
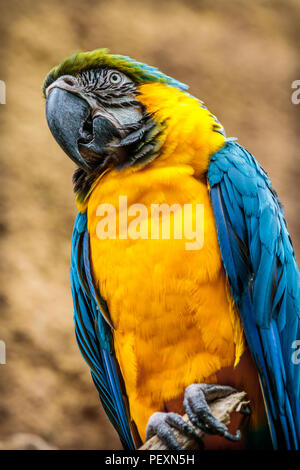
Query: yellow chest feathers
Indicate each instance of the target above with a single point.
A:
(175, 321)
(165, 286)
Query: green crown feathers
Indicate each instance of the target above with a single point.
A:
(138, 71)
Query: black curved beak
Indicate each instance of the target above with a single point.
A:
(67, 115)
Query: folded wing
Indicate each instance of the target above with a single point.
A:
(260, 264)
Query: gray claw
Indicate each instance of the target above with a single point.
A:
(195, 403)
(162, 424)
(231, 437)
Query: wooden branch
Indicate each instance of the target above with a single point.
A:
(221, 409)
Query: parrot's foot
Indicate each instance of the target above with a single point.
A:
(162, 424)
(196, 399)
(195, 402)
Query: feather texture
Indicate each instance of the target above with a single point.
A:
(138, 71)
(93, 334)
(264, 279)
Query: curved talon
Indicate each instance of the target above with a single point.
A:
(231, 437)
(245, 410)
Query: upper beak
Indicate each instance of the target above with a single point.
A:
(66, 114)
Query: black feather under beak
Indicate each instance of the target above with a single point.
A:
(82, 138)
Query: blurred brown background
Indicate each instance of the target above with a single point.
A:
(240, 57)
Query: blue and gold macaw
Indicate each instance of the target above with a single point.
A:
(165, 329)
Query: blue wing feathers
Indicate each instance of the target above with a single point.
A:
(265, 285)
(93, 334)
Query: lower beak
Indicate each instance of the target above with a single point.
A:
(66, 114)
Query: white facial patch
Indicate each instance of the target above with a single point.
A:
(127, 116)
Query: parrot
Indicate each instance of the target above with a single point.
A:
(165, 328)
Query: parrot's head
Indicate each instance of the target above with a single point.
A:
(110, 111)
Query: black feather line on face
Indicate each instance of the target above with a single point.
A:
(139, 146)
(139, 142)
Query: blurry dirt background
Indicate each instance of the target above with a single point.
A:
(240, 57)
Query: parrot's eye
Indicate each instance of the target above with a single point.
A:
(115, 78)
(70, 81)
